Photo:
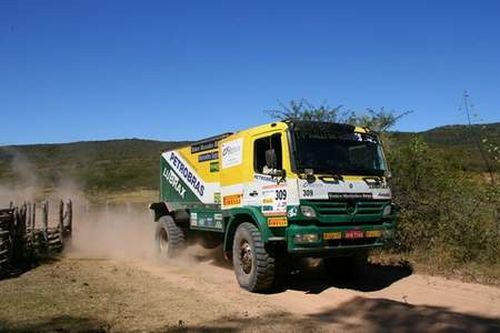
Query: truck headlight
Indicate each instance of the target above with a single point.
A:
(307, 211)
(387, 211)
(306, 238)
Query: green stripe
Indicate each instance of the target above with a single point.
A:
(174, 189)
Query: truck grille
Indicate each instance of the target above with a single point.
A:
(349, 208)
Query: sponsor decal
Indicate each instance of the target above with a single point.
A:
(232, 153)
(206, 220)
(186, 174)
(332, 235)
(292, 212)
(232, 200)
(264, 178)
(214, 167)
(274, 199)
(194, 219)
(307, 193)
(316, 184)
(204, 146)
(218, 220)
(173, 180)
(277, 221)
(349, 196)
(213, 155)
(217, 197)
(373, 233)
(377, 185)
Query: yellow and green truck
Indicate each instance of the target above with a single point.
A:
(274, 192)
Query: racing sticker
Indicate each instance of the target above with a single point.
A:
(194, 219)
(274, 199)
(232, 153)
(277, 221)
(232, 200)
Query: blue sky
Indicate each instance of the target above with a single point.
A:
(173, 70)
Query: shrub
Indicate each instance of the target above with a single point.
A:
(445, 211)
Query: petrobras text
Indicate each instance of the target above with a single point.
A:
(188, 176)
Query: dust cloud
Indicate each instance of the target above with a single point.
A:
(116, 231)
(23, 182)
(101, 230)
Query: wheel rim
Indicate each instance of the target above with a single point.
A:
(163, 241)
(246, 257)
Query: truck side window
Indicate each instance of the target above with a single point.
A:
(261, 146)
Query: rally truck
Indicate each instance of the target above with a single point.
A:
(277, 192)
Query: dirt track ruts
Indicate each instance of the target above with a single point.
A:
(200, 294)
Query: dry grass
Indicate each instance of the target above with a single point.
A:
(98, 295)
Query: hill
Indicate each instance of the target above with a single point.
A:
(133, 163)
(96, 165)
(459, 143)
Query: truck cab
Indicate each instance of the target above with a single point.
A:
(284, 189)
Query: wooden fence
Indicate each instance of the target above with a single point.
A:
(23, 238)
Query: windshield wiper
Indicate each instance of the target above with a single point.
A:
(308, 174)
(337, 175)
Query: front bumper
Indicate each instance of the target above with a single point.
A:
(327, 247)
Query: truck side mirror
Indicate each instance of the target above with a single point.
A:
(271, 159)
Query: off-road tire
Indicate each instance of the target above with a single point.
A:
(346, 267)
(169, 238)
(258, 273)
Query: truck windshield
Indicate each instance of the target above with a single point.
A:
(339, 153)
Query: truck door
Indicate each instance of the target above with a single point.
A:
(267, 190)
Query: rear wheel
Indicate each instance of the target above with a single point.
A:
(169, 237)
(253, 265)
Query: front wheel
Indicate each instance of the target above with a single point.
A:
(169, 237)
(253, 265)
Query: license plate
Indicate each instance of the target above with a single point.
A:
(373, 233)
(332, 235)
(354, 234)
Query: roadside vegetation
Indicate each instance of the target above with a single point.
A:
(448, 218)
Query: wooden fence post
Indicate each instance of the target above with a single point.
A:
(45, 220)
(33, 217)
(28, 216)
(61, 221)
(69, 210)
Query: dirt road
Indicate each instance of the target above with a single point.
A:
(108, 281)
(199, 293)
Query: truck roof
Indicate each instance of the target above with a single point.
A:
(211, 142)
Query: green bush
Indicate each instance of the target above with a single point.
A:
(447, 215)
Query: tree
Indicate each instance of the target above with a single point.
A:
(376, 119)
